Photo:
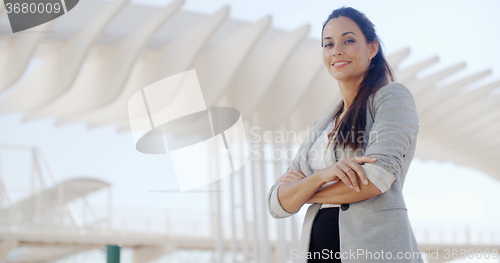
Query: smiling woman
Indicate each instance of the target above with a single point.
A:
(350, 52)
(357, 211)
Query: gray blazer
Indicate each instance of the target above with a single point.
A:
(379, 224)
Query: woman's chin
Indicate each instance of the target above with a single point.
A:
(338, 76)
(343, 76)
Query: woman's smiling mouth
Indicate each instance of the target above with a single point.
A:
(339, 64)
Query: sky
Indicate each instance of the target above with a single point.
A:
(436, 193)
(456, 31)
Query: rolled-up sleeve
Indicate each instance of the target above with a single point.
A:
(273, 202)
(395, 127)
(275, 208)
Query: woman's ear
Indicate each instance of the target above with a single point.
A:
(373, 47)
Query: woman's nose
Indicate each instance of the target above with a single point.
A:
(337, 53)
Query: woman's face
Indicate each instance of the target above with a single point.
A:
(345, 51)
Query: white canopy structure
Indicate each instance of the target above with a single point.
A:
(93, 59)
(49, 199)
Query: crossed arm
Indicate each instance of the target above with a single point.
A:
(395, 127)
(340, 193)
(294, 195)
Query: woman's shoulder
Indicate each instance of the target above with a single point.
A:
(393, 87)
(392, 96)
(393, 90)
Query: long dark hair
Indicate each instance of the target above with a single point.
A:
(378, 75)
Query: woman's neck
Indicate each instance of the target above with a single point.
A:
(349, 90)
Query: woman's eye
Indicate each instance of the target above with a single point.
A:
(349, 41)
(328, 44)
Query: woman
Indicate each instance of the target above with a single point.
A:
(367, 141)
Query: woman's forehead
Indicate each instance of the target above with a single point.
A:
(336, 27)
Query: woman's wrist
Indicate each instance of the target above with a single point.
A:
(318, 179)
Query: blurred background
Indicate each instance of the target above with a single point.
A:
(73, 187)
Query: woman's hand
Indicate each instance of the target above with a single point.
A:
(291, 176)
(346, 170)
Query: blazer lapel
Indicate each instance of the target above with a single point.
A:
(318, 128)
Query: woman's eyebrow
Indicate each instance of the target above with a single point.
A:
(348, 33)
(343, 34)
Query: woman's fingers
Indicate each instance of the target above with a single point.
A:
(348, 172)
(350, 166)
(291, 176)
(363, 159)
(283, 178)
(294, 177)
(335, 171)
(359, 170)
(353, 163)
(298, 173)
(347, 169)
